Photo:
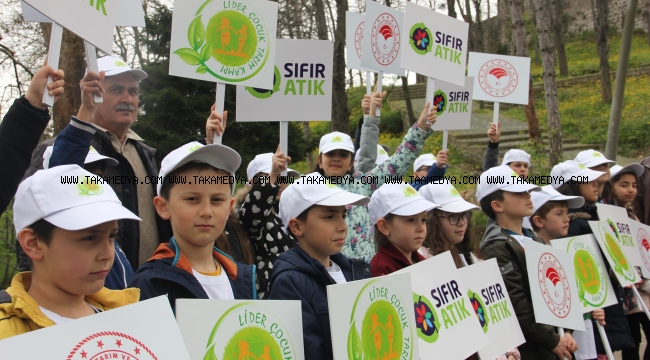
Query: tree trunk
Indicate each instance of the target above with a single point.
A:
(307, 132)
(621, 75)
(537, 58)
(340, 118)
(321, 23)
(601, 28)
(558, 28)
(478, 27)
(521, 47)
(420, 79)
(505, 21)
(646, 16)
(409, 105)
(451, 9)
(550, 87)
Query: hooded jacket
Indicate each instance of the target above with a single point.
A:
(389, 259)
(168, 272)
(298, 276)
(541, 339)
(23, 314)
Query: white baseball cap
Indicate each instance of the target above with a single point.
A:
(335, 141)
(397, 199)
(112, 65)
(502, 178)
(64, 197)
(313, 189)
(591, 158)
(219, 156)
(547, 194)
(424, 160)
(382, 156)
(514, 155)
(447, 198)
(565, 171)
(92, 156)
(635, 169)
(262, 163)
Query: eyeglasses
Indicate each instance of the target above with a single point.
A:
(454, 219)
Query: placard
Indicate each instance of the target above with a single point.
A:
(354, 24)
(145, 331)
(230, 42)
(500, 78)
(446, 323)
(641, 233)
(241, 329)
(373, 319)
(605, 234)
(454, 104)
(552, 288)
(594, 287)
(382, 39)
(302, 85)
(128, 13)
(620, 224)
(489, 298)
(92, 21)
(437, 44)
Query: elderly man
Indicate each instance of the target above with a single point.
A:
(114, 118)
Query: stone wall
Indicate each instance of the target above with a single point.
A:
(581, 19)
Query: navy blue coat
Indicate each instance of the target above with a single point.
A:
(298, 276)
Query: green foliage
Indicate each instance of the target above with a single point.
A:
(8, 261)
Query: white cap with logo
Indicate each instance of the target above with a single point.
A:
(447, 198)
(634, 169)
(514, 155)
(335, 141)
(502, 178)
(397, 199)
(424, 160)
(219, 156)
(547, 194)
(262, 163)
(591, 158)
(569, 170)
(92, 157)
(313, 189)
(66, 197)
(112, 65)
(382, 156)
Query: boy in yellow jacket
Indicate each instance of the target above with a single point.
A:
(66, 221)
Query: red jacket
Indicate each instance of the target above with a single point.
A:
(389, 259)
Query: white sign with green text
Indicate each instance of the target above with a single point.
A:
(619, 221)
(453, 103)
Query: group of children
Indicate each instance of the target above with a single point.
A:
(300, 238)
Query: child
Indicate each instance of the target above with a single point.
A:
(448, 224)
(336, 160)
(196, 197)
(518, 160)
(314, 213)
(507, 204)
(382, 156)
(596, 161)
(427, 165)
(67, 231)
(399, 215)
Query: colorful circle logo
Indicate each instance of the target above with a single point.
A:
(358, 38)
(440, 102)
(264, 93)
(385, 39)
(498, 78)
(590, 277)
(554, 285)
(622, 264)
(426, 319)
(111, 345)
(479, 309)
(89, 187)
(420, 39)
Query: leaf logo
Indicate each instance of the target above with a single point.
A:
(409, 191)
(120, 63)
(337, 139)
(597, 154)
(89, 189)
(193, 148)
(453, 191)
(92, 150)
(382, 152)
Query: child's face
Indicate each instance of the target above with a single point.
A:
(407, 232)
(197, 211)
(625, 189)
(517, 205)
(520, 167)
(77, 262)
(323, 232)
(556, 223)
(453, 234)
(422, 171)
(589, 191)
(336, 162)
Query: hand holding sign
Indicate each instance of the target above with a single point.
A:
(365, 104)
(280, 164)
(494, 132)
(376, 101)
(562, 350)
(91, 86)
(37, 87)
(216, 124)
(427, 119)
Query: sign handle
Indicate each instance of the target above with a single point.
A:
(221, 98)
(640, 301)
(445, 136)
(380, 79)
(560, 330)
(368, 83)
(603, 336)
(495, 119)
(284, 141)
(91, 57)
(53, 58)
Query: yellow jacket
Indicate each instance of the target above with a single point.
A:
(23, 314)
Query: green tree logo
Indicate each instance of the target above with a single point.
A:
(89, 188)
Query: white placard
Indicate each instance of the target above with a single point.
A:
(365, 314)
(594, 287)
(435, 45)
(302, 85)
(241, 329)
(489, 297)
(641, 233)
(500, 78)
(446, 324)
(382, 39)
(128, 13)
(618, 216)
(454, 103)
(552, 287)
(230, 42)
(93, 23)
(354, 23)
(145, 331)
(610, 244)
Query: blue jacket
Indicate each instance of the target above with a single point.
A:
(298, 276)
(168, 272)
(434, 171)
